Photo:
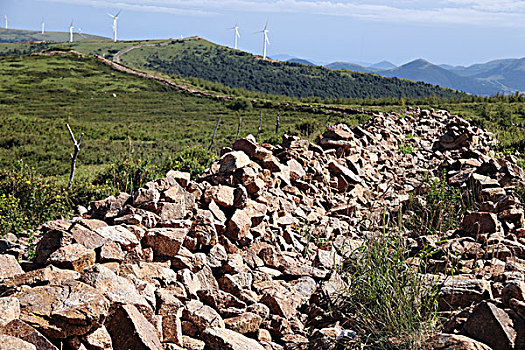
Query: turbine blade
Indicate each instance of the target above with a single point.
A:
(110, 15)
(118, 13)
(266, 25)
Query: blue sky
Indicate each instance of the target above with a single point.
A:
(441, 31)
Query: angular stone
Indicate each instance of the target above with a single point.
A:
(11, 343)
(461, 293)
(192, 343)
(129, 329)
(224, 339)
(239, 225)
(232, 161)
(117, 289)
(492, 326)
(9, 267)
(165, 241)
(22, 330)
(172, 329)
(222, 195)
(171, 211)
(202, 316)
(9, 310)
(296, 170)
(339, 169)
(73, 257)
(454, 342)
(50, 242)
(111, 251)
(99, 339)
(61, 311)
(246, 323)
(120, 235)
(144, 196)
(480, 222)
(183, 178)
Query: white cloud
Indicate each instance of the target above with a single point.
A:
(489, 13)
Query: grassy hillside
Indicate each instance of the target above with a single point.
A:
(18, 35)
(39, 94)
(202, 59)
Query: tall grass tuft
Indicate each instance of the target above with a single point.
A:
(393, 303)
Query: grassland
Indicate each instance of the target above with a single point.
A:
(18, 35)
(39, 94)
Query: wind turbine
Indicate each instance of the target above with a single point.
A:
(71, 32)
(79, 31)
(5, 17)
(115, 18)
(43, 26)
(265, 39)
(236, 35)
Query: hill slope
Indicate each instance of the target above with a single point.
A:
(421, 70)
(202, 59)
(121, 115)
(18, 35)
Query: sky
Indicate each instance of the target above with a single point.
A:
(457, 32)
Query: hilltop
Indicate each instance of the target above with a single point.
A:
(18, 35)
(205, 60)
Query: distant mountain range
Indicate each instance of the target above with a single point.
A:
(498, 76)
(19, 35)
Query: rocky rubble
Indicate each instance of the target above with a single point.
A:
(245, 256)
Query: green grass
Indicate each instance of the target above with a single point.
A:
(203, 59)
(39, 94)
(18, 35)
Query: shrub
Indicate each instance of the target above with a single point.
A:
(440, 209)
(27, 199)
(392, 304)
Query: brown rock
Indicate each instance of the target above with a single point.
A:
(11, 343)
(9, 310)
(246, 323)
(454, 342)
(192, 343)
(144, 196)
(339, 169)
(480, 222)
(120, 235)
(50, 242)
(224, 339)
(239, 225)
(99, 339)
(232, 161)
(22, 330)
(456, 293)
(129, 329)
(9, 267)
(183, 178)
(492, 326)
(165, 241)
(202, 316)
(61, 311)
(172, 329)
(73, 257)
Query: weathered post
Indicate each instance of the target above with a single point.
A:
(238, 129)
(214, 132)
(259, 128)
(74, 155)
(277, 124)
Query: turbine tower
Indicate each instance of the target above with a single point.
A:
(115, 18)
(5, 17)
(236, 35)
(71, 32)
(43, 26)
(265, 39)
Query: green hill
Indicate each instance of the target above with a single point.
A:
(119, 113)
(18, 35)
(202, 59)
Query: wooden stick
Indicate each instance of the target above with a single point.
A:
(259, 128)
(74, 155)
(214, 132)
(238, 129)
(277, 124)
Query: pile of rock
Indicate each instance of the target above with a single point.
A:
(244, 256)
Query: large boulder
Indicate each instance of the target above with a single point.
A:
(61, 311)
(217, 338)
